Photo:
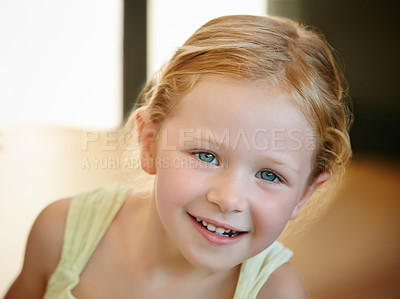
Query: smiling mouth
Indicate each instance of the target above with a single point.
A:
(220, 231)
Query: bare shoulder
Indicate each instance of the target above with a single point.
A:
(284, 283)
(47, 232)
(43, 251)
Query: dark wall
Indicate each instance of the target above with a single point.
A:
(366, 34)
(134, 51)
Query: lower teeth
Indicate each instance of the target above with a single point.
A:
(226, 234)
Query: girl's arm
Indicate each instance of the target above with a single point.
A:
(284, 283)
(43, 251)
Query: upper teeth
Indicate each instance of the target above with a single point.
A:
(213, 228)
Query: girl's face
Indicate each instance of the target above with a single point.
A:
(231, 164)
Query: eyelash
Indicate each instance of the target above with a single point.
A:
(276, 177)
(213, 156)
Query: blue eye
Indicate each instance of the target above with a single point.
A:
(268, 175)
(207, 157)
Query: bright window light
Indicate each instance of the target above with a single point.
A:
(61, 62)
(171, 22)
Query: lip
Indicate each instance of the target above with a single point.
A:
(216, 239)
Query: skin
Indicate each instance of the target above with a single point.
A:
(42, 252)
(253, 181)
(231, 194)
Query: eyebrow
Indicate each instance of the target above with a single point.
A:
(210, 139)
(281, 163)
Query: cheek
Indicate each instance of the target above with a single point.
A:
(270, 218)
(176, 186)
(168, 198)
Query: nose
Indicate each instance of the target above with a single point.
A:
(227, 193)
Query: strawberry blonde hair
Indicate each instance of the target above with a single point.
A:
(266, 50)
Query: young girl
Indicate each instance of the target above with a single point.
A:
(237, 131)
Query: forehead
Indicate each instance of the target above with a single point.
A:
(235, 104)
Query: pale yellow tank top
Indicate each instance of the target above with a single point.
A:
(89, 216)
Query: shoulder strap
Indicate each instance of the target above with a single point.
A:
(89, 216)
(255, 271)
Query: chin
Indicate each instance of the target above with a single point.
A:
(211, 264)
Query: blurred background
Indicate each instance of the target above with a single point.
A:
(70, 72)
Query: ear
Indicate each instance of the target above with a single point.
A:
(322, 178)
(146, 136)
